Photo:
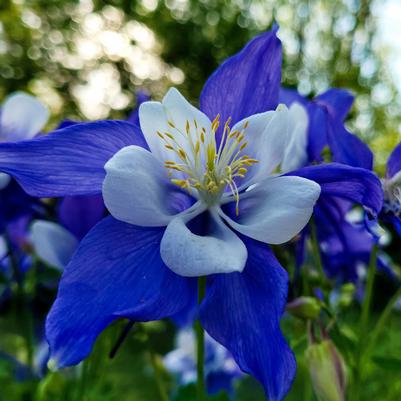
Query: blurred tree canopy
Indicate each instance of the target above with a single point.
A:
(87, 58)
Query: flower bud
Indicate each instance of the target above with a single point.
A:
(304, 307)
(342, 297)
(327, 371)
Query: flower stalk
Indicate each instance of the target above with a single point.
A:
(200, 343)
(363, 325)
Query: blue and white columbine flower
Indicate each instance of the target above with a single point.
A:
(21, 117)
(148, 188)
(196, 193)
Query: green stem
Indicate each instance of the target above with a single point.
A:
(200, 341)
(158, 377)
(382, 321)
(24, 313)
(316, 250)
(363, 325)
(83, 380)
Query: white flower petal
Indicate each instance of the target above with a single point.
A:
(296, 152)
(277, 209)
(192, 255)
(137, 190)
(179, 111)
(267, 137)
(155, 117)
(4, 180)
(53, 243)
(22, 117)
(3, 248)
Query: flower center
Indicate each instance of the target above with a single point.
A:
(201, 165)
(392, 195)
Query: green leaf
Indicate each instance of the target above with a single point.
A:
(387, 362)
(188, 393)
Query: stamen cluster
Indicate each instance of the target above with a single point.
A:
(205, 168)
(392, 195)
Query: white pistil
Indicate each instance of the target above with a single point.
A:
(207, 170)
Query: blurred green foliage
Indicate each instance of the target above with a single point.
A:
(86, 59)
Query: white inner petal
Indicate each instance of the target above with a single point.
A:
(296, 151)
(53, 243)
(220, 250)
(137, 190)
(277, 209)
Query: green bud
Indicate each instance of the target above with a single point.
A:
(327, 370)
(305, 307)
(346, 295)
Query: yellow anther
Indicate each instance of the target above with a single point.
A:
(180, 183)
(182, 153)
(246, 124)
(178, 168)
(206, 167)
(216, 123)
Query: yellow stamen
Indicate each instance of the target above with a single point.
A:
(207, 169)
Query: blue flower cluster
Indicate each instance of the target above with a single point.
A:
(147, 206)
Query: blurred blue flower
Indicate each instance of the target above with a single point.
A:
(392, 190)
(55, 243)
(220, 367)
(131, 265)
(345, 246)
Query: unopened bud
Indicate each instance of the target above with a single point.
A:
(343, 297)
(327, 370)
(304, 307)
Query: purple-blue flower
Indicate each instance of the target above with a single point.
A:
(55, 243)
(21, 117)
(344, 245)
(392, 190)
(191, 193)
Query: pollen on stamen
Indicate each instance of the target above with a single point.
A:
(208, 168)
